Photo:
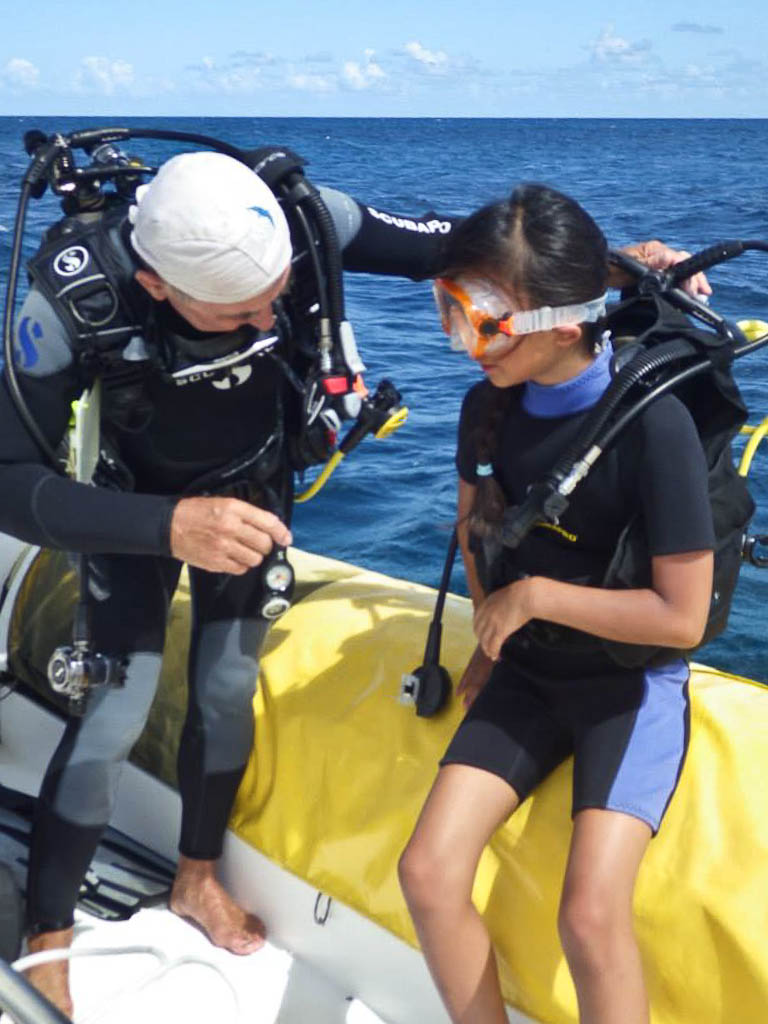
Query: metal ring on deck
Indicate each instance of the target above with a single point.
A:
(321, 918)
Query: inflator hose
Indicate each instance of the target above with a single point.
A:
(642, 364)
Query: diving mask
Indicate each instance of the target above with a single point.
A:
(477, 317)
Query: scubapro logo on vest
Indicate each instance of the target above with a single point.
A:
(235, 377)
(71, 261)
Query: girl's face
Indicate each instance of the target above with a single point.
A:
(484, 318)
(535, 356)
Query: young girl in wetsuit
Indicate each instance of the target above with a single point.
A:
(542, 684)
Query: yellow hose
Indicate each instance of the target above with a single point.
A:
(397, 419)
(314, 487)
(757, 434)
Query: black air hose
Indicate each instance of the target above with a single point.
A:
(314, 258)
(643, 363)
(304, 190)
(87, 139)
(548, 499)
(333, 255)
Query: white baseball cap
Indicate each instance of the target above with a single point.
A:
(209, 226)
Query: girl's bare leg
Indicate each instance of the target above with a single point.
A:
(596, 921)
(437, 871)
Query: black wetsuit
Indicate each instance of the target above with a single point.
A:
(195, 426)
(556, 691)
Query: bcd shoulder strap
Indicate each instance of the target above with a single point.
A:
(85, 273)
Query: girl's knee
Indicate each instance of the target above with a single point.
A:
(428, 877)
(592, 925)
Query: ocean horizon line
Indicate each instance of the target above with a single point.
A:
(370, 117)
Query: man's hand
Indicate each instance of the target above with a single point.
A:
(224, 534)
(658, 256)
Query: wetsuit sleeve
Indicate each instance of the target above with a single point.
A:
(38, 505)
(672, 481)
(376, 242)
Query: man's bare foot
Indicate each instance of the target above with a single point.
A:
(199, 896)
(52, 979)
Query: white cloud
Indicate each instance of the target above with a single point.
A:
(435, 61)
(353, 74)
(246, 58)
(244, 74)
(19, 73)
(240, 80)
(363, 75)
(101, 74)
(609, 48)
(312, 83)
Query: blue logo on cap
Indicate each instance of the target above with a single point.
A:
(262, 213)
(26, 350)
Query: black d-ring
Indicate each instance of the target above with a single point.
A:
(322, 916)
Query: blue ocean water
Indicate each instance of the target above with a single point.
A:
(691, 183)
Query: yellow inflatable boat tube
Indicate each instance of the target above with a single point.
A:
(340, 770)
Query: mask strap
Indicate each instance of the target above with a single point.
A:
(547, 317)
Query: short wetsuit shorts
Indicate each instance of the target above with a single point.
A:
(628, 730)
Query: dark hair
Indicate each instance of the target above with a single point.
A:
(545, 249)
(538, 243)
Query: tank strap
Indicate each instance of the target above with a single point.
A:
(85, 274)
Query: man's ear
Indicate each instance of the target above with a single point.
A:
(155, 285)
(567, 335)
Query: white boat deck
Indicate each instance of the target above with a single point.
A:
(345, 971)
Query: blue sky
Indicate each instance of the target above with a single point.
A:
(540, 58)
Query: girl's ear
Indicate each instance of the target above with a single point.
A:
(568, 335)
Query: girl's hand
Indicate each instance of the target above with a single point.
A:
(502, 613)
(475, 676)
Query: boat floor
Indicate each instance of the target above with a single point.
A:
(189, 979)
(330, 970)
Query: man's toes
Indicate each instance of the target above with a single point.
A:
(247, 938)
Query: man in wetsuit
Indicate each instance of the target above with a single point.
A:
(206, 261)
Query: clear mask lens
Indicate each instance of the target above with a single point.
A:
(478, 320)
(469, 314)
